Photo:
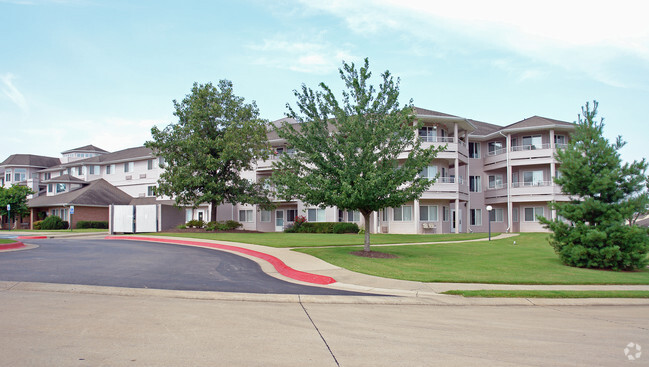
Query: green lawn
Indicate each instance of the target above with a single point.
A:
(531, 261)
(279, 239)
(549, 294)
(54, 230)
(2, 240)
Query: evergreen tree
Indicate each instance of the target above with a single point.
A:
(217, 137)
(362, 154)
(604, 194)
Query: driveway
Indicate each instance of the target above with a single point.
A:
(136, 264)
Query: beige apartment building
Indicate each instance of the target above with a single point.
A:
(509, 169)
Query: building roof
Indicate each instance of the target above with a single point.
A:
(86, 148)
(150, 200)
(31, 160)
(538, 121)
(97, 193)
(66, 179)
(423, 111)
(484, 128)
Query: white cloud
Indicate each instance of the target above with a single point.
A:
(11, 92)
(302, 56)
(592, 37)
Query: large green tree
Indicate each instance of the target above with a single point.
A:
(592, 230)
(217, 136)
(16, 197)
(358, 154)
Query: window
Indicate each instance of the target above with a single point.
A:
(49, 187)
(532, 142)
(428, 134)
(161, 161)
(291, 214)
(429, 172)
(315, 215)
(497, 215)
(476, 217)
(245, 215)
(474, 150)
(128, 167)
(20, 174)
(149, 164)
(515, 214)
(445, 213)
(384, 215)
(533, 178)
(55, 212)
(60, 187)
(496, 181)
(265, 215)
(475, 184)
(428, 213)
(47, 176)
(532, 213)
(560, 140)
(402, 213)
(110, 169)
(79, 170)
(353, 216)
(495, 147)
(64, 214)
(93, 170)
(8, 176)
(150, 191)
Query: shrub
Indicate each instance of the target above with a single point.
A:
(54, 222)
(345, 228)
(182, 226)
(195, 223)
(232, 224)
(37, 224)
(82, 224)
(222, 226)
(66, 224)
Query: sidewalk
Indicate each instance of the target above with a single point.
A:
(409, 291)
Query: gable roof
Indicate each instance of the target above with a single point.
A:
(423, 111)
(97, 193)
(66, 179)
(31, 160)
(86, 148)
(484, 128)
(538, 121)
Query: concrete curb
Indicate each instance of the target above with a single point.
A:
(11, 246)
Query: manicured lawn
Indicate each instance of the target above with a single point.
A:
(531, 261)
(2, 240)
(54, 230)
(279, 239)
(549, 294)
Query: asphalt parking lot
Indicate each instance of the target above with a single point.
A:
(135, 264)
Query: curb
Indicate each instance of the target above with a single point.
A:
(11, 246)
(278, 264)
(32, 237)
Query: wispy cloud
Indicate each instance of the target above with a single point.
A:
(591, 37)
(302, 56)
(11, 92)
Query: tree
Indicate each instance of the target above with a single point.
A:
(361, 154)
(16, 196)
(604, 194)
(217, 137)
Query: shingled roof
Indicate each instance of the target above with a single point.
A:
(97, 193)
(86, 148)
(118, 156)
(66, 179)
(30, 160)
(537, 121)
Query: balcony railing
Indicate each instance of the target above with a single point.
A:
(518, 148)
(277, 156)
(450, 180)
(496, 152)
(532, 184)
(498, 186)
(436, 139)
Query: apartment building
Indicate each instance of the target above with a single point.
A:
(508, 169)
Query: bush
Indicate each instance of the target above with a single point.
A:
(232, 224)
(345, 228)
(83, 224)
(222, 226)
(182, 226)
(317, 227)
(37, 224)
(194, 223)
(54, 222)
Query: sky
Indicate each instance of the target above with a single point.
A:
(78, 72)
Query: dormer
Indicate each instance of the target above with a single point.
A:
(84, 152)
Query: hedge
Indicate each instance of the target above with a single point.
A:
(54, 222)
(324, 227)
(83, 224)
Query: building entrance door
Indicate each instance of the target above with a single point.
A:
(279, 221)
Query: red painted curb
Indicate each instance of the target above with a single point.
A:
(31, 237)
(277, 263)
(11, 246)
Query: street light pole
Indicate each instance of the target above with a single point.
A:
(489, 209)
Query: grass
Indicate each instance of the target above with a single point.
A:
(531, 261)
(549, 294)
(2, 240)
(279, 239)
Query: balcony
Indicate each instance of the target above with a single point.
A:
(447, 188)
(268, 164)
(453, 149)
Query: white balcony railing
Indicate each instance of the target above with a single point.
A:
(532, 184)
(518, 148)
(497, 186)
(436, 139)
(496, 152)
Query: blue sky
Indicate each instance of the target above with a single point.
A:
(77, 72)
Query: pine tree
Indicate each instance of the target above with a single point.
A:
(591, 230)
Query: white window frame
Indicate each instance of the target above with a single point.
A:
(475, 152)
(477, 183)
(129, 167)
(245, 215)
(403, 213)
(265, 216)
(430, 212)
(515, 214)
(150, 190)
(429, 172)
(316, 215)
(497, 215)
(496, 181)
(475, 217)
(535, 210)
(537, 178)
(290, 212)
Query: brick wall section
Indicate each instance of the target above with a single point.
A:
(89, 213)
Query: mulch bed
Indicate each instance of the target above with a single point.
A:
(374, 254)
